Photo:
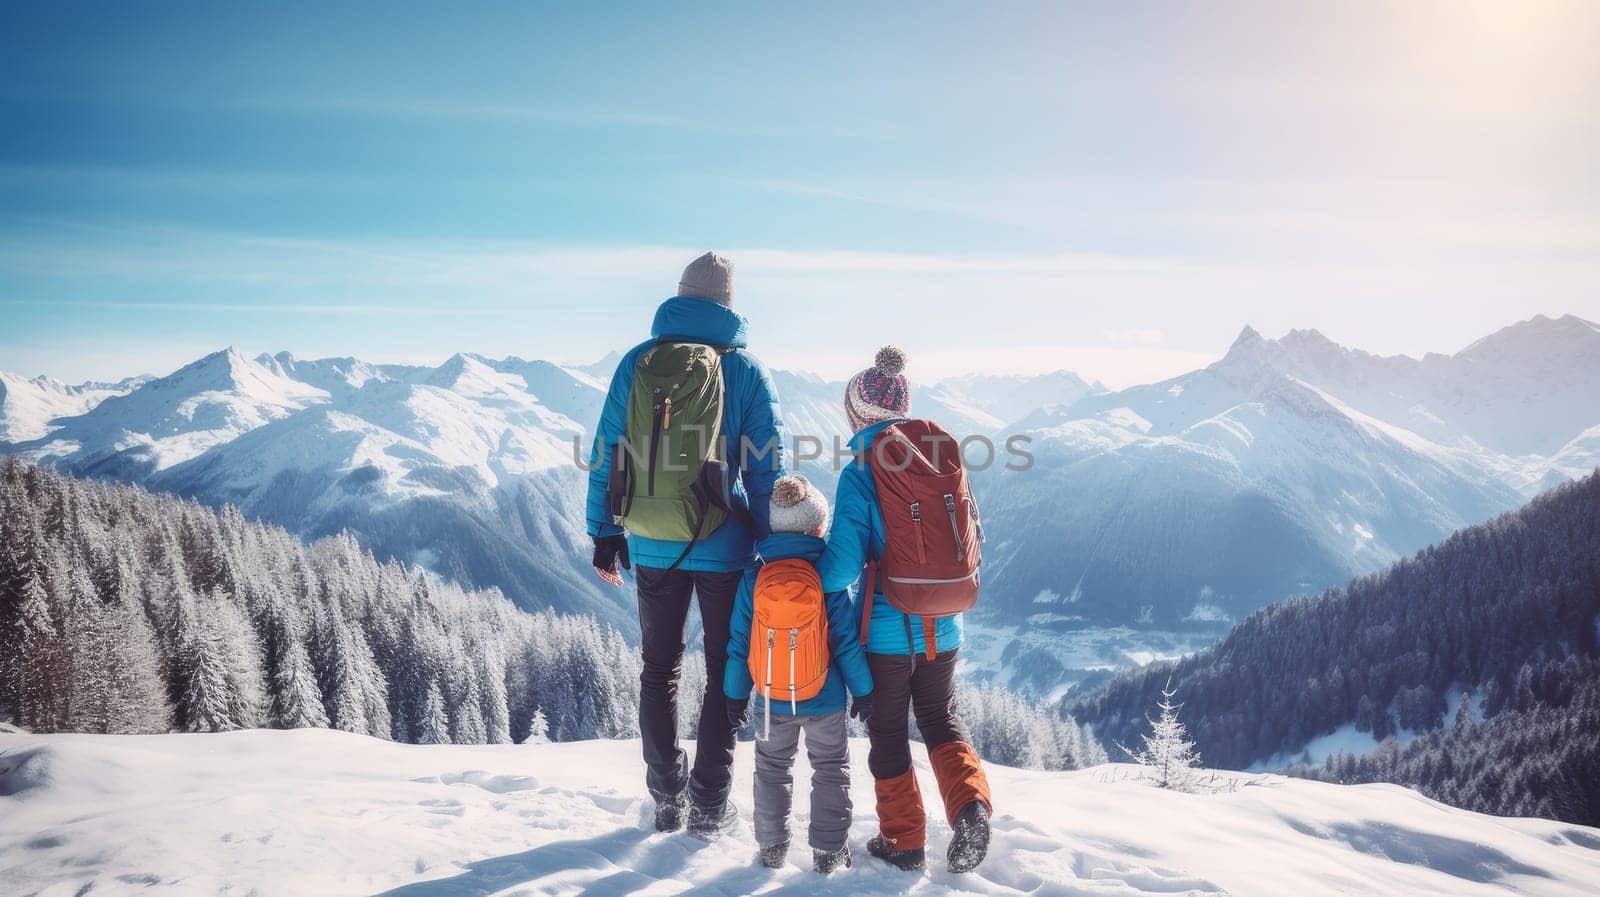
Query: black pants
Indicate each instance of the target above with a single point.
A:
(663, 613)
(902, 683)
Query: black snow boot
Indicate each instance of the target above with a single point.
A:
(709, 824)
(970, 843)
(776, 855)
(669, 813)
(909, 860)
(827, 861)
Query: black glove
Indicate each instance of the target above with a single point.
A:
(608, 550)
(861, 707)
(736, 711)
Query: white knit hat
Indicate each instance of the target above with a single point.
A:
(797, 506)
(880, 392)
(708, 277)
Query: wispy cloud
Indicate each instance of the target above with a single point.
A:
(848, 261)
(190, 254)
(306, 308)
(555, 115)
(1136, 337)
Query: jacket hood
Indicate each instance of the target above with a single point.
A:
(863, 439)
(780, 546)
(700, 320)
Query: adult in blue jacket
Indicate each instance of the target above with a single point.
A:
(903, 679)
(667, 578)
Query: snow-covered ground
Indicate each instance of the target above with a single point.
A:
(316, 812)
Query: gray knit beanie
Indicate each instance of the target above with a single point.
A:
(797, 506)
(708, 277)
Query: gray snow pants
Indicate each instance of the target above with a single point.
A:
(828, 750)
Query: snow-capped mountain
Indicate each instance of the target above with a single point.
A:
(173, 419)
(1000, 399)
(465, 468)
(269, 813)
(29, 409)
(1287, 466)
(1526, 389)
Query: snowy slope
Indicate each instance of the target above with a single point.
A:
(172, 419)
(1249, 483)
(1005, 398)
(317, 812)
(32, 408)
(1525, 389)
(465, 468)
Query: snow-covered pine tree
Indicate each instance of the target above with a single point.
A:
(247, 681)
(433, 727)
(538, 731)
(492, 674)
(296, 699)
(138, 697)
(204, 704)
(1463, 725)
(1090, 751)
(466, 712)
(1169, 757)
(343, 701)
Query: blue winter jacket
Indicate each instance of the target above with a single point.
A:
(847, 664)
(858, 535)
(750, 410)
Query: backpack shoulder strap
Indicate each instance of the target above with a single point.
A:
(871, 577)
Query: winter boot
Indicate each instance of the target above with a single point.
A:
(902, 823)
(964, 790)
(970, 843)
(827, 861)
(775, 856)
(710, 824)
(913, 860)
(669, 813)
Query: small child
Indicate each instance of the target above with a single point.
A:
(782, 608)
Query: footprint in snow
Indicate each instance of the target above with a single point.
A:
(503, 784)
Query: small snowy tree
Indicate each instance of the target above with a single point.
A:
(538, 729)
(1169, 757)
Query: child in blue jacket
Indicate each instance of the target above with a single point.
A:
(799, 518)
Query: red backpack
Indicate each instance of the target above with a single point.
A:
(929, 567)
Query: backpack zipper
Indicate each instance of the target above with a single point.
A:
(916, 526)
(772, 639)
(794, 641)
(955, 527)
(655, 436)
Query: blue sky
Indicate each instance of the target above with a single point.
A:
(1111, 188)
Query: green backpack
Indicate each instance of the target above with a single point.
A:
(668, 478)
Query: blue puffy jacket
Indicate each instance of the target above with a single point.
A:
(750, 410)
(847, 663)
(858, 535)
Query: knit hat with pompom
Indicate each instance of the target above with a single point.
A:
(797, 506)
(880, 392)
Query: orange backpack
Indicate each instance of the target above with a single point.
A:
(788, 633)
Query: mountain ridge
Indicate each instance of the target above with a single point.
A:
(1286, 465)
